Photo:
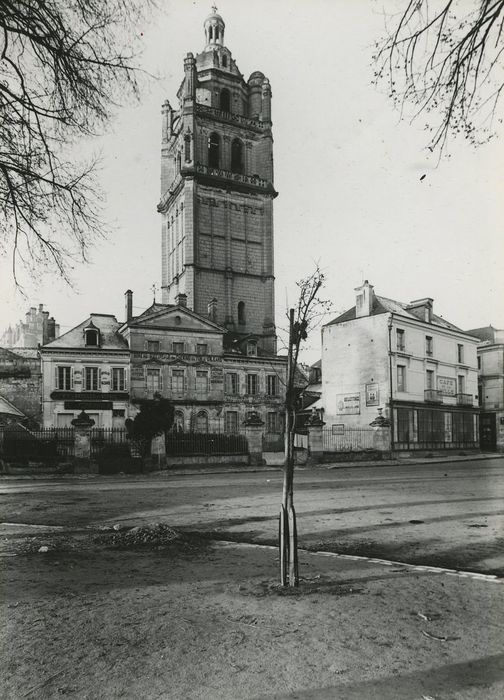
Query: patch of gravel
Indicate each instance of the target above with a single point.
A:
(155, 536)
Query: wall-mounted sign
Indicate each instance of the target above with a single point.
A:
(372, 395)
(338, 429)
(447, 386)
(348, 404)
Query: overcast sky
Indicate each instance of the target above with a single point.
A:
(346, 169)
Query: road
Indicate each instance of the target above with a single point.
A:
(449, 515)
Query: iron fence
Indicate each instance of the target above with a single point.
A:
(104, 438)
(193, 444)
(347, 439)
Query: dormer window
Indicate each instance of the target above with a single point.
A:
(91, 337)
(252, 348)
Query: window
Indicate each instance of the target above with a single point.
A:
(273, 422)
(400, 340)
(153, 346)
(64, 378)
(118, 379)
(224, 61)
(202, 349)
(213, 150)
(401, 378)
(461, 384)
(428, 345)
(187, 148)
(252, 384)
(429, 379)
(272, 385)
(91, 337)
(479, 361)
(178, 381)
(460, 353)
(201, 424)
(201, 382)
(231, 422)
(236, 156)
(178, 348)
(91, 379)
(231, 383)
(153, 380)
(252, 348)
(241, 312)
(225, 100)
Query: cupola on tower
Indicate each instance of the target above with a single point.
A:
(217, 192)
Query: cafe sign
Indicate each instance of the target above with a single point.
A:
(447, 386)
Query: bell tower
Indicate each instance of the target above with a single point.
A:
(217, 192)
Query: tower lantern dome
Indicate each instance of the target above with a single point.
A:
(214, 29)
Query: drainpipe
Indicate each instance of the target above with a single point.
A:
(391, 389)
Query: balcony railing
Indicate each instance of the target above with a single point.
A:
(233, 118)
(464, 400)
(433, 396)
(229, 175)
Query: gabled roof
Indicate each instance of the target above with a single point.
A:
(382, 305)
(108, 326)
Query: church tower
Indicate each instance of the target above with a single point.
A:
(217, 193)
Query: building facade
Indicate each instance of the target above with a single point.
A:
(217, 192)
(37, 329)
(416, 368)
(21, 386)
(491, 386)
(105, 368)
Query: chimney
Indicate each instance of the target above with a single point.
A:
(212, 310)
(364, 299)
(128, 305)
(181, 299)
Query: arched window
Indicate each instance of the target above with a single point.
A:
(224, 61)
(210, 33)
(225, 100)
(237, 156)
(216, 33)
(201, 422)
(213, 150)
(241, 312)
(187, 148)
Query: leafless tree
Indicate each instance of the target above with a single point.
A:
(64, 64)
(308, 313)
(444, 57)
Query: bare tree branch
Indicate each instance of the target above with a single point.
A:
(444, 58)
(64, 67)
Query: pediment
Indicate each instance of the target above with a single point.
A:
(178, 318)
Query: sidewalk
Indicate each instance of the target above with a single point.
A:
(213, 625)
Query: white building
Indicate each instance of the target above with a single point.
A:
(385, 354)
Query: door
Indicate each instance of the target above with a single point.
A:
(488, 432)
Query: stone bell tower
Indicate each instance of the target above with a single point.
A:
(217, 192)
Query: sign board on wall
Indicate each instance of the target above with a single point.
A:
(372, 395)
(348, 404)
(447, 386)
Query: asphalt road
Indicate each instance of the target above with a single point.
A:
(448, 514)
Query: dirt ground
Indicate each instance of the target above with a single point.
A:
(103, 615)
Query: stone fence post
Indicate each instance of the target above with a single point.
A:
(381, 438)
(253, 432)
(315, 425)
(82, 444)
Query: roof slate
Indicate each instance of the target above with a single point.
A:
(110, 339)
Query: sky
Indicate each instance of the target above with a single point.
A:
(347, 170)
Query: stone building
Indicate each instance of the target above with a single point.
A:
(217, 192)
(403, 359)
(37, 329)
(21, 386)
(491, 386)
(214, 380)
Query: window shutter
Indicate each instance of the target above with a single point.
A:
(160, 379)
(56, 378)
(71, 377)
